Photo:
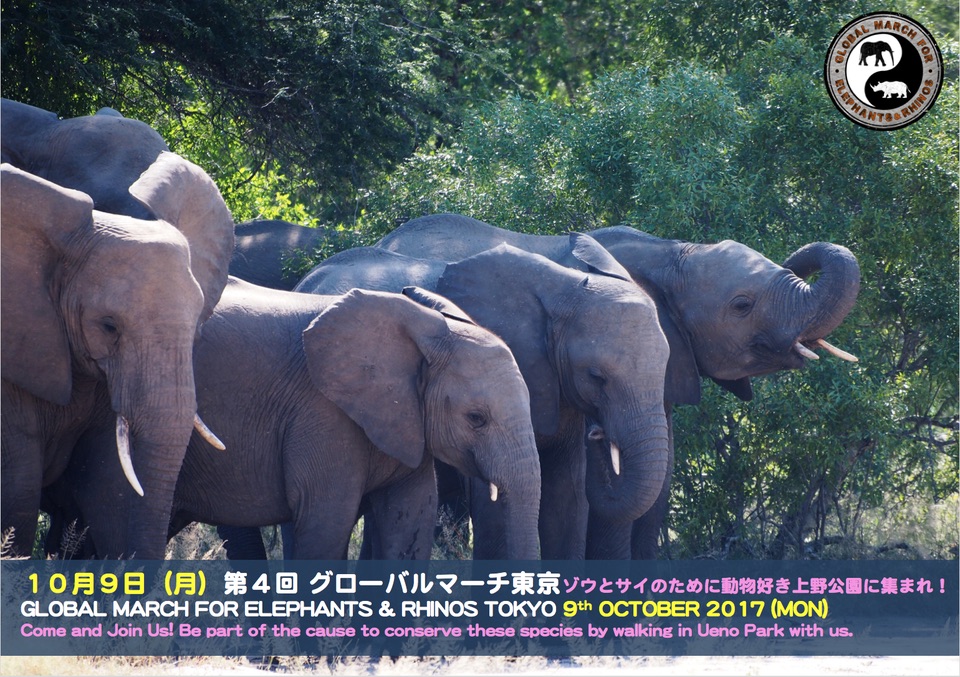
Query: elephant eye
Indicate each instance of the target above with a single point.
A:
(109, 326)
(742, 305)
(476, 419)
(597, 376)
(596, 433)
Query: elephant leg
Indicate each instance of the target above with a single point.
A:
(646, 530)
(21, 467)
(607, 539)
(242, 542)
(403, 516)
(563, 500)
(322, 529)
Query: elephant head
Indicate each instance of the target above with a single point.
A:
(101, 155)
(92, 297)
(585, 341)
(419, 377)
(729, 313)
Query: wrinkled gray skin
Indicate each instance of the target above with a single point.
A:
(101, 155)
(99, 313)
(728, 313)
(262, 247)
(589, 347)
(341, 399)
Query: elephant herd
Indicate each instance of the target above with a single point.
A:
(158, 369)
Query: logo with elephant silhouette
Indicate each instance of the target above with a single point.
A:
(883, 71)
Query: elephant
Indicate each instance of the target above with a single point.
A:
(101, 155)
(261, 247)
(342, 399)
(874, 48)
(590, 349)
(728, 313)
(100, 312)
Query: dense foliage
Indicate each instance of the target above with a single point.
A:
(696, 121)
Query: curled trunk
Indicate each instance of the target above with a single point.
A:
(826, 302)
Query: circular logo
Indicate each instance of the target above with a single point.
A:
(883, 71)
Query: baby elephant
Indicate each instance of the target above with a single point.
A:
(323, 401)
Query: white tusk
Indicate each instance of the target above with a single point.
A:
(806, 352)
(836, 352)
(494, 492)
(207, 434)
(123, 450)
(615, 458)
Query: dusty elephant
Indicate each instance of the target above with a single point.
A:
(262, 246)
(100, 312)
(342, 399)
(728, 313)
(101, 155)
(590, 349)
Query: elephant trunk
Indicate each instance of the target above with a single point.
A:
(522, 515)
(643, 458)
(156, 423)
(515, 510)
(824, 304)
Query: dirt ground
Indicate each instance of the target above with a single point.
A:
(929, 666)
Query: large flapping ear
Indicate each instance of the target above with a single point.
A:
(37, 217)
(596, 257)
(365, 353)
(442, 305)
(496, 288)
(180, 193)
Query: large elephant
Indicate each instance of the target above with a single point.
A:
(342, 399)
(262, 247)
(590, 348)
(100, 312)
(728, 312)
(101, 155)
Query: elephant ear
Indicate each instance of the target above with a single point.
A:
(682, 383)
(445, 307)
(596, 257)
(496, 288)
(36, 217)
(366, 354)
(180, 193)
(741, 387)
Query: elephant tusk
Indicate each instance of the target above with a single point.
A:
(494, 492)
(615, 458)
(206, 433)
(123, 450)
(806, 352)
(836, 352)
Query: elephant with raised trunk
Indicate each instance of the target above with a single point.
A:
(100, 312)
(589, 347)
(343, 400)
(727, 311)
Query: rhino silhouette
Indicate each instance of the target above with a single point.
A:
(891, 88)
(874, 48)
